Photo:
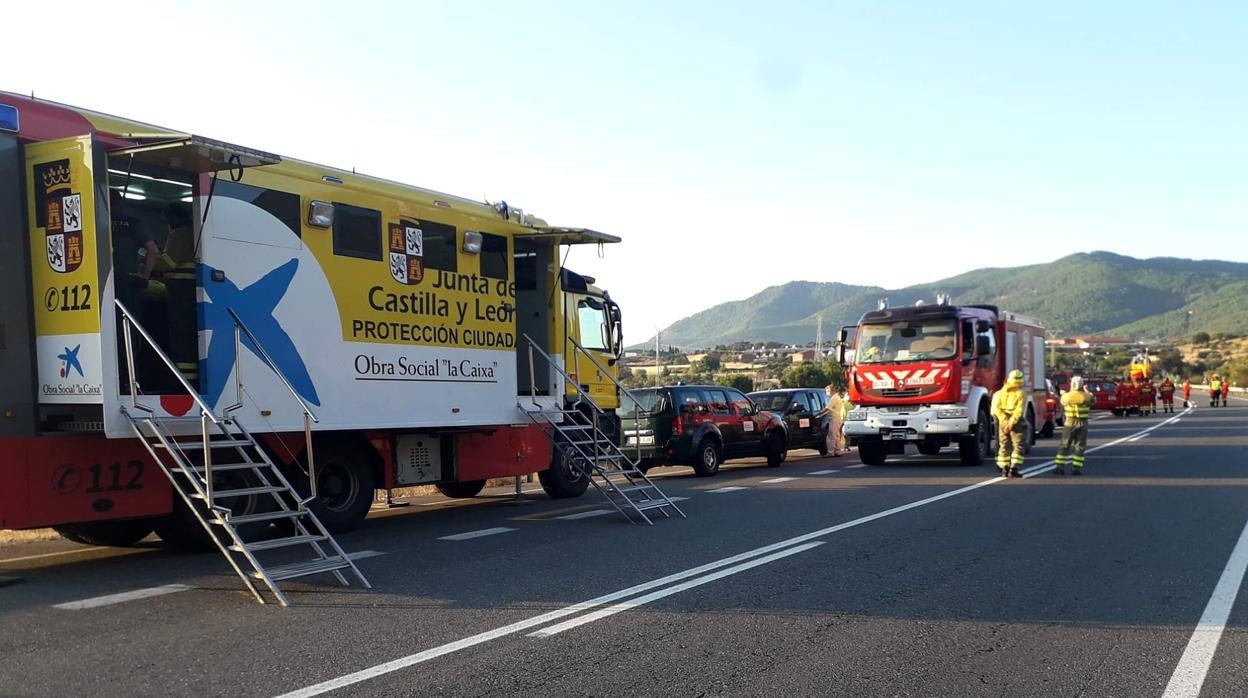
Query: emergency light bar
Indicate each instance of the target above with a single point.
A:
(8, 118)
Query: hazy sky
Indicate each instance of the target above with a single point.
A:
(733, 145)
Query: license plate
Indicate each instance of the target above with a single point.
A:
(897, 436)
(640, 440)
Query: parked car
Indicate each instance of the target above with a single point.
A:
(800, 409)
(1054, 414)
(699, 426)
(1105, 394)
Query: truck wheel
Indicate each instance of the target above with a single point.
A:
(929, 448)
(561, 480)
(706, 462)
(777, 449)
(118, 534)
(181, 529)
(976, 448)
(344, 485)
(872, 452)
(1031, 432)
(461, 490)
(1047, 431)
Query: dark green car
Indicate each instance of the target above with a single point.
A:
(700, 426)
(803, 412)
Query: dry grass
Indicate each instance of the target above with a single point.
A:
(31, 536)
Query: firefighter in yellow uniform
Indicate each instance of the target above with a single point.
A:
(1009, 405)
(1077, 404)
(177, 266)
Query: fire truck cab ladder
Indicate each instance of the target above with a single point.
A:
(576, 433)
(229, 483)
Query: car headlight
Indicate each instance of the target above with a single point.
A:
(951, 413)
(856, 416)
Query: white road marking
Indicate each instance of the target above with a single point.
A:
(62, 553)
(364, 554)
(1137, 438)
(1189, 675)
(824, 472)
(110, 599)
(1048, 465)
(584, 514)
(854, 467)
(722, 490)
(677, 499)
(478, 534)
(777, 480)
(683, 586)
(536, 621)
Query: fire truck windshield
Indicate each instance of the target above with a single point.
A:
(912, 340)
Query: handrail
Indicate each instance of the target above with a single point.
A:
(129, 322)
(551, 362)
(238, 323)
(603, 370)
(309, 416)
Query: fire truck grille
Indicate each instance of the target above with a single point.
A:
(904, 392)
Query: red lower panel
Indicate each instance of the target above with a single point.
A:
(47, 481)
(507, 451)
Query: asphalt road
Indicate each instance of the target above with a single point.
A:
(918, 577)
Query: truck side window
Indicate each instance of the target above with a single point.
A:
(357, 232)
(441, 245)
(989, 359)
(494, 256)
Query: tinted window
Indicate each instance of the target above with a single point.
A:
(803, 399)
(440, 243)
(281, 205)
(718, 400)
(772, 402)
(651, 401)
(494, 256)
(357, 232)
(739, 401)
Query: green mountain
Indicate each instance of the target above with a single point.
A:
(1087, 293)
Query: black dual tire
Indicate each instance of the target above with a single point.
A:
(562, 480)
(928, 448)
(120, 534)
(872, 452)
(976, 448)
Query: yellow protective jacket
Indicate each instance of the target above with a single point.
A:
(1077, 403)
(1009, 404)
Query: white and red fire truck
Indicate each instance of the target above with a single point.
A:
(925, 374)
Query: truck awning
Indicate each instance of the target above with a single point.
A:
(197, 154)
(569, 236)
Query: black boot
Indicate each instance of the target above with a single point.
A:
(1059, 470)
(1077, 471)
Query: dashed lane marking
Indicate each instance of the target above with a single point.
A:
(584, 514)
(478, 534)
(723, 490)
(824, 472)
(860, 465)
(111, 599)
(777, 480)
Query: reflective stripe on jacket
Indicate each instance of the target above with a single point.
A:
(1078, 404)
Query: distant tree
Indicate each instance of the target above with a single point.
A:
(740, 381)
(666, 371)
(1200, 338)
(835, 373)
(711, 363)
(804, 375)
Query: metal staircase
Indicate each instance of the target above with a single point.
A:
(229, 483)
(576, 433)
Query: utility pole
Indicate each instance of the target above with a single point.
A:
(657, 365)
(819, 336)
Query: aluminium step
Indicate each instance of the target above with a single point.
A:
(648, 504)
(304, 569)
(199, 445)
(241, 492)
(223, 467)
(266, 516)
(274, 543)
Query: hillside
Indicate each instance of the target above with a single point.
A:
(1086, 293)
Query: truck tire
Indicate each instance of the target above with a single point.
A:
(1030, 441)
(872, 452)
(929, 448)
(461, 490)
(1047, 431)
(118, 534)
(181, 530)
(777, 449)
(561, 480)
(974, 449)
(345, 482)
(706, 458)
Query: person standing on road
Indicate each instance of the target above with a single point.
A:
(1148, 396)
(1166, 389)
(833, 438)
(1008, 405)
(1215, 390)
(1187, 392)
(1077, 404)
(1226, 391)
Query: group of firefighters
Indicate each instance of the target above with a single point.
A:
(1009, 406)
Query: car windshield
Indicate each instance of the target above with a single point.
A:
(773, 402)
(650, 401)
(912, 340)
